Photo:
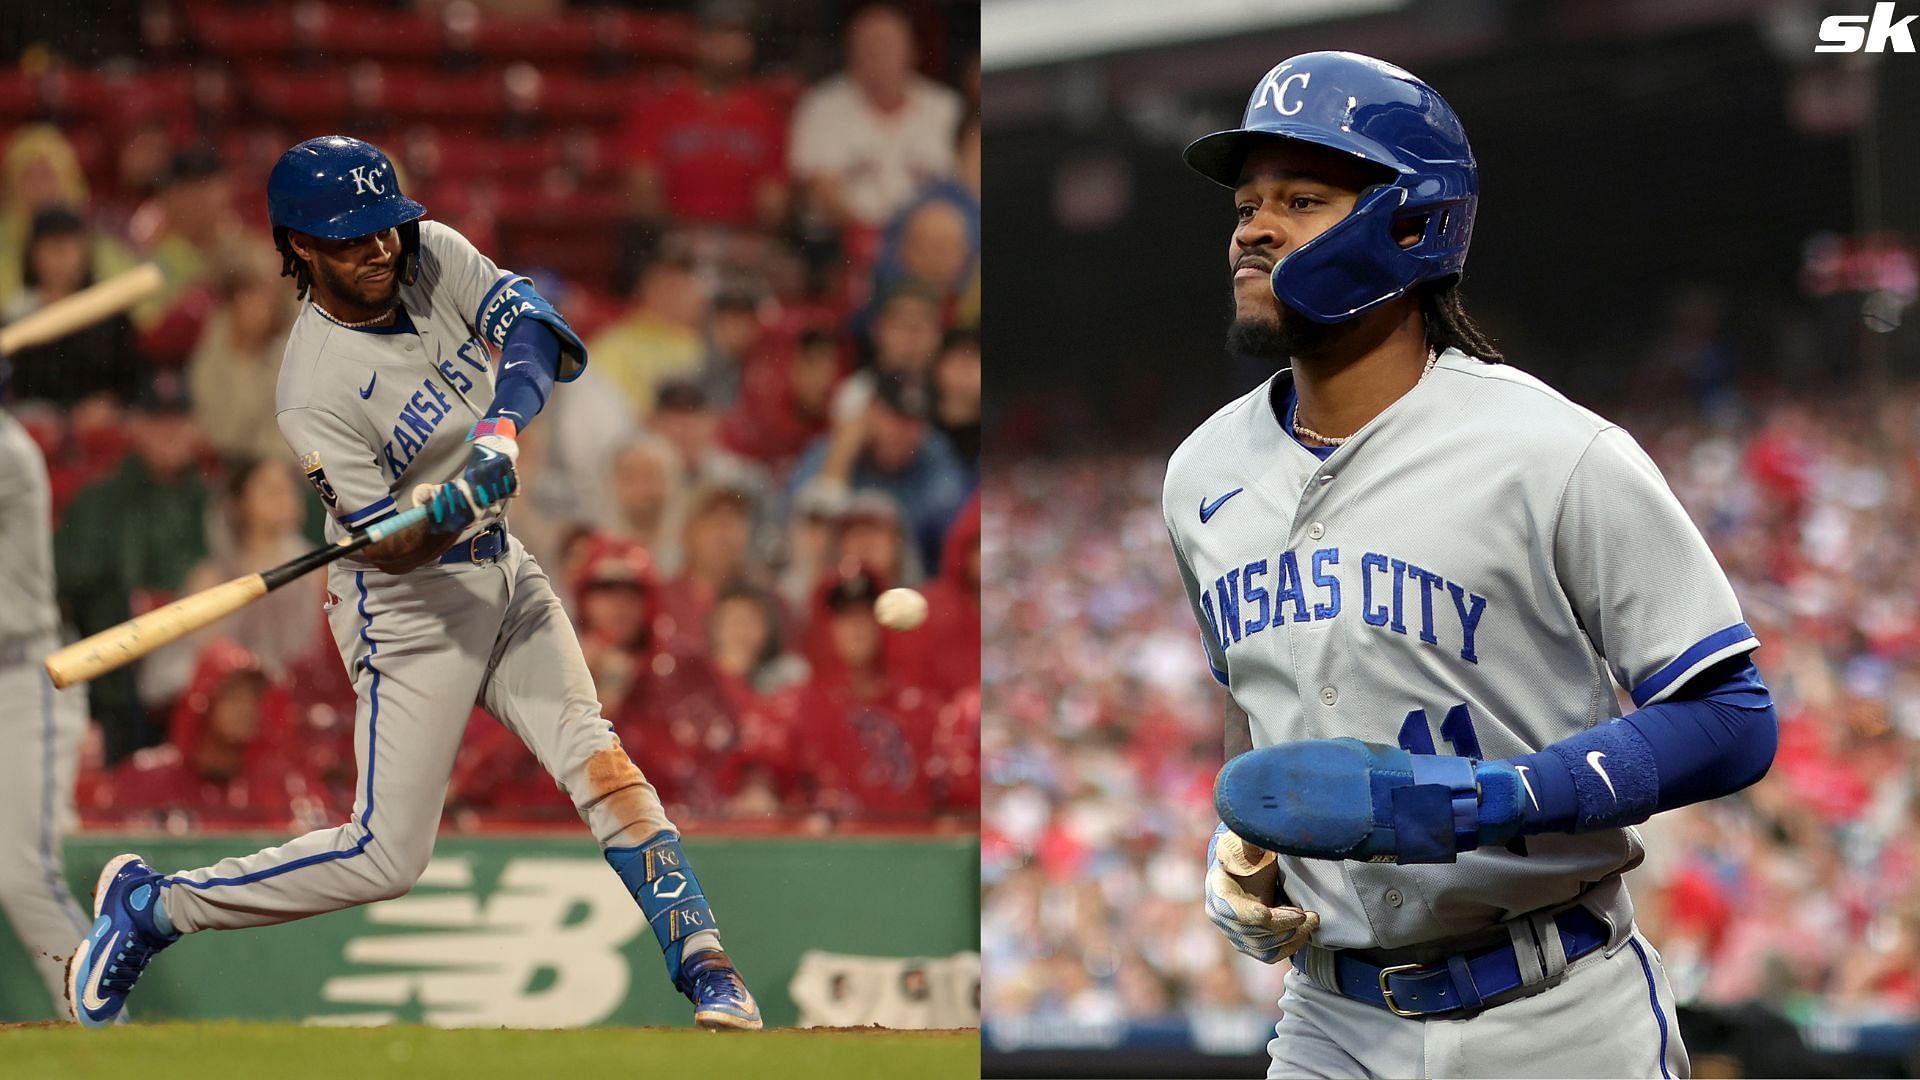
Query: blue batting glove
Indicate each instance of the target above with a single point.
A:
(489, 475)
(449, 509)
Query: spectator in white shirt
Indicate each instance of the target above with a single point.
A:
(867, 139)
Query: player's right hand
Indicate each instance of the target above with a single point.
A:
(1242, 883)
(450, 506)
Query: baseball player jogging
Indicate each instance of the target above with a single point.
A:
(1419, 573)
(388, 393)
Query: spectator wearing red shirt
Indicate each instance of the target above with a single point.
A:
(230, 758)
(784, 398)
(754, 673)
(943, 654)
(711, 147)
(619, 617)
(682, 723)
(865, 735)
(496, 775)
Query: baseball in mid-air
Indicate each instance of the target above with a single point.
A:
(900, 609)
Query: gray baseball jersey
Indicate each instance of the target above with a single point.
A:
(370, 414)
(40, 728)
(1470, 574)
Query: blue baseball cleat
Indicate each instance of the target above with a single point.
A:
(124, 939)
(720, 997)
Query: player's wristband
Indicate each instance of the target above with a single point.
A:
(502, 426)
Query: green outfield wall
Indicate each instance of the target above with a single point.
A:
(537, 932)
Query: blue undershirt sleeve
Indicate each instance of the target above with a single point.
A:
(1716, 735)
(529, 364)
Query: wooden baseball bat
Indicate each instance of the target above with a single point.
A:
(115, 646)
(82, 309)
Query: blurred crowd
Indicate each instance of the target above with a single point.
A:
(779, 288)
(1801, 893)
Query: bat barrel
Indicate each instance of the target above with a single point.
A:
(120, 645)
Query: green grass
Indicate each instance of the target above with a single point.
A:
(214, 1051)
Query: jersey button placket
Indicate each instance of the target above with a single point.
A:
(1329, 696)
(1316, 530)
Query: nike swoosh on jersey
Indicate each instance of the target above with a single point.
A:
(90, 993)
(368, 392)
(1528, 784)
(1208, 509)
(1593, 759)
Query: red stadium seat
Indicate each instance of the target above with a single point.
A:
(240, 32)
(19, 97)
(379, 35)
(581, 35)
(302, 101)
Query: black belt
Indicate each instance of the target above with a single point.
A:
(1458, 983)
(486, 546)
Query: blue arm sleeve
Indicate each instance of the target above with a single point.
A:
(512, 301)
(528, 366)
(1714, 737)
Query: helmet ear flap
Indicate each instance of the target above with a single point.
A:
(409, 251)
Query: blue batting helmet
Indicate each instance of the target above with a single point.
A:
(1378, 113)
(337, 188)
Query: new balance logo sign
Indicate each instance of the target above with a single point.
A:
(1866, 33)
(362, 183)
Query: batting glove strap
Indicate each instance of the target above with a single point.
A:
(495, 428)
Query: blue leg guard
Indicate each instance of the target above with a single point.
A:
(662, 883)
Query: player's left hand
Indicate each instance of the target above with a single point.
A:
(492, 454)
(1345, 799)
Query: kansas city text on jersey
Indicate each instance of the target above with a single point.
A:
(423, 412)
(1395, 595)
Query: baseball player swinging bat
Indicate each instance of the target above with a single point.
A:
(119, 645)
(413, 365)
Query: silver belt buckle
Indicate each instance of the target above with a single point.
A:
(1386, 993)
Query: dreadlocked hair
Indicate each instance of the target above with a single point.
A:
(292, 265)
(1450, 327)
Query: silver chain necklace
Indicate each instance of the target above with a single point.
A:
(338, 321)
(1305, 432)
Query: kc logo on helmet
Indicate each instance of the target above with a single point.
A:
(1866, 33)
(1277, 87)
(362, 183)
